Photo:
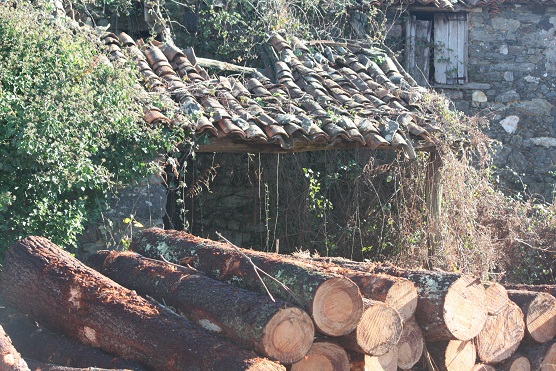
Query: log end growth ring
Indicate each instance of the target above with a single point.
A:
(521, 364)
(460, 355)
(288, 336)
(465, 311)
(379, 330)
(541, 318)
(323, 356)
(337, 306)
(403, 298)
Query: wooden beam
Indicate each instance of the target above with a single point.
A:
(433, 199)
(224, 66)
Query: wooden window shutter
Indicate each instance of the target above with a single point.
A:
(450, 48)
(418, 46)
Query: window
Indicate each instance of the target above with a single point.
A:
(436, 47)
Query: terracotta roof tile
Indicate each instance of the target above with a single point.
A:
(322, 96)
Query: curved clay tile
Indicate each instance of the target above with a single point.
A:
(154, 116)
(278, 42)
(125, 39)
(215, 109)
(334, 132)
(171, 51)
(238, 90)
(154, 54)
(375, 141)
(110, 38)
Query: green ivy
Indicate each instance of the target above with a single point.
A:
(71, 130)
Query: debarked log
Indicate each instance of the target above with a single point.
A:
(10, 359)
(277, 330)
(333, 301)
(539, 309)
(411, 344)
(37, 342)
(453, 355)
(46, 282)
(39, 366)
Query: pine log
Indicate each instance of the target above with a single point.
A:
(549, 289)
(41, 344)
(541, 356)
(365, 362)
(323, 356)
(501, 336)
(39, 366)
(10, 359)
(453, 355)
(482, 367)
(277, 330)
(517, 362)
(397, 292)
(410, 346)
(333, 301)
(451, 306)
(46, 282)
(539, 309)
(377, 332)
(496, 297)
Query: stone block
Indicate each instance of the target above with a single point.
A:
(509, 76)
(510, 124)
(479, 97)
(508, 97)
(536, 106)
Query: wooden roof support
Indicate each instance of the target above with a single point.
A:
(433, 199)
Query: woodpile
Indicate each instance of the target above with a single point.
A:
(180, 302)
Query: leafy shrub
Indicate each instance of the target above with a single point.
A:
(70, 126)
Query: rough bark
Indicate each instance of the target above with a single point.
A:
(453, 355)
(10, 359)
(333, 301)
(451, 306)
(378, 331)
(48, 283)
(501, 336)
(323, 355)
(496, 298)
(365, 362)
(39, 366)
(539, 309)
(41, 344)
(410, 346)
(517, 362)
(274, 329)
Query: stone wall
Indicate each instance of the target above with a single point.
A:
(512, 81)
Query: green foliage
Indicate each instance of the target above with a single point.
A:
(70, 127)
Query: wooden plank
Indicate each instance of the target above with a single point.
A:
(423, 36)
(441, 57)
(450, 60)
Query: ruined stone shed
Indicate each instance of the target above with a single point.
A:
(494, 58)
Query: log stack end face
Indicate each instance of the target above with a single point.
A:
(541, 318)
(288, 336)
(337, 306)
(465, 310)
(403, 298)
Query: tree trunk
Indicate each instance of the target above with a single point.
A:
(496, 298)
(274, 329)
(333, 301)
(40, 279)
(365, 362)
(453, 355)
(10, 359)
(397, 292)
(39, 366)
(451, 306)
(410, 346)
(41, 344)
(501, 335)
(517, 362)
(378, 331)
(542, 357)
(549, 289)
(323, 356)
(539, 309)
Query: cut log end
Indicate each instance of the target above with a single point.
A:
(497, 298)
(323, 356)
(288, 336)
(403, 297)
(465, 311)
(501, 335)
(365, 362)
(519, 364)
(460, 355)
(337, 306)
(549, 360)
(379, 330)
(410, 346)
(541, 318)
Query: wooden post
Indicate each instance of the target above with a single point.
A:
(433, 199)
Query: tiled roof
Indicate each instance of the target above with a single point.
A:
(323, 95)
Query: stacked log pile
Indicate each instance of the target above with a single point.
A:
(179, 302)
